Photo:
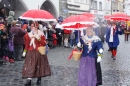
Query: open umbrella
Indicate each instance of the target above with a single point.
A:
(90, 15)
(77, 22)
(119, 17)
(38, 15)
(107, 17)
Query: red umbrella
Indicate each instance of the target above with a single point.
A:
(89, 15)
(107, 17)
(38, 15)
(77, 22)
(120, 17)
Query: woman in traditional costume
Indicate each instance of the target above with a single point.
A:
(36, 65)
(89, 68)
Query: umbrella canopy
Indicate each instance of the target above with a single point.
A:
(89, 15)
(77, 22)
(120, 17)
(107, 17)
(38, 15)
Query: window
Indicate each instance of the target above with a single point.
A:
(69, 0)
(86, 1)
(81, 1)
(76, 0)
(95, 5)
(100, 5)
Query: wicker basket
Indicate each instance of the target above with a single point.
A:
(42, 50)
(76, 55)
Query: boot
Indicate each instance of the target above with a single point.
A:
(114, 54)
(28, 83)
(11, 60)
(38, 81)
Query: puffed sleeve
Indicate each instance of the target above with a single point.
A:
(26, 42)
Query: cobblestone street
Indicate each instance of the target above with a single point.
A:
(64, 72)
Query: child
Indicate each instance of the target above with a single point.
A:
(4, 46)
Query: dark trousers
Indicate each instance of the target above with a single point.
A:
(113, 48)
(8, 29)
(18, 50)
(4, 52)
(126, 37)
(59, 40)
(11, 54)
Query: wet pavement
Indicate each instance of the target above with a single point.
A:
(64, 72)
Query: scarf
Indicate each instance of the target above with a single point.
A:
(31, 35)
(111, 34)
(88, 40)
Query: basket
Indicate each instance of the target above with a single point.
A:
(77, 55)
(42, 50)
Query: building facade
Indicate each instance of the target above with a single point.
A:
(121, 5)
(127, 7)
(114, 6)
(97, 7)
(20, 6)
(107, 7)
(77, 6)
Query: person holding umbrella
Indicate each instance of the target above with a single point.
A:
(113, 39)
(36, 64)
(89, 68)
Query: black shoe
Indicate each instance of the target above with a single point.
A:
(38, 81)
(28, 83)
(109, 50)
(114, 58)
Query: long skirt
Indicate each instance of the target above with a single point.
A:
(36, 65)
(89, 72)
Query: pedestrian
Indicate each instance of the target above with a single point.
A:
(108, 27)
(11, 48)
(126, 32)
(89, 67)
(4, 45)
(113, 39)
(10, 19)
(66, 37)
(2, 14)
(72, 39)
(35, 65)
(1, 28)
(18, 40)
(59, 33)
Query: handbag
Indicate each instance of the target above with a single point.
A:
(42, 50)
